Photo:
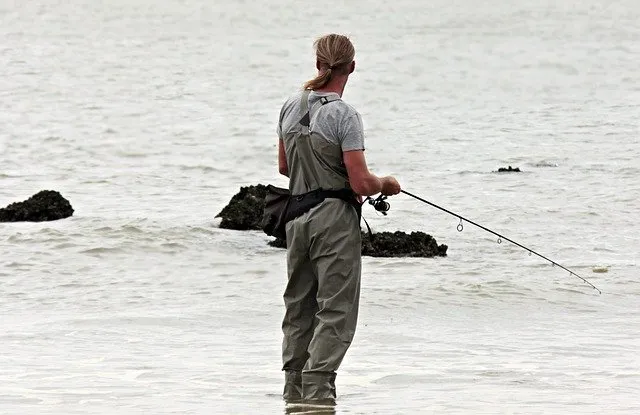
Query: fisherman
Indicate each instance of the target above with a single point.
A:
(321, 146)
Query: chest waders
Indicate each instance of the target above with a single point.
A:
(323, 265)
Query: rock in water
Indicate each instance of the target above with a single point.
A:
(396, 244)
(45, 205)
(278, 243)
(244, 211)
(509, 169)
(401, 244)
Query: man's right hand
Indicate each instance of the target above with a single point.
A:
(390, 186)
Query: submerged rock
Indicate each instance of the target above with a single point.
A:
(244, 211)
(46, 205)
(508, 169)
(393, 244)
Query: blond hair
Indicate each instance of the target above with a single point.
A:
(334, 53)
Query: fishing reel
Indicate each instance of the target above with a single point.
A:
(380, 204)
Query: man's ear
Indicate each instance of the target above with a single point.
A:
(352, 67)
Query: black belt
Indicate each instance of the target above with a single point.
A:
(301, 204)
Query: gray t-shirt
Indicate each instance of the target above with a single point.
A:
(336, 121)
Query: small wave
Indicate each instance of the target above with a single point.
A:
(467, 172)
(569, 290)
(22, 400)
(543, 163)
(596, 125)
(100, 250)
(205, 169)
(15, 264)
(403, 379)
(173, 245)
(76, 285)
(51, 232)
(65, 245)
(132, 229)
(130, 154)
(17, 238)
(565, 69)
(631, 171)
(204, 292)
(205, 231)
(252, 132)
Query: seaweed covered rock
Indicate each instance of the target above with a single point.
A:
(393, 244)
(401, 244)
(46, 205)
(244, 211)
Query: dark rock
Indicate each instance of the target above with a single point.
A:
(401, 244)
(244, 211)
(508, 169)
(45, 205)
(396, 244)
(278, 243)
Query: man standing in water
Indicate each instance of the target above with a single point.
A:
(321, 146)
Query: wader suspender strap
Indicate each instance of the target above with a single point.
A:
(303, 144)
(305, 120)
(305, 112)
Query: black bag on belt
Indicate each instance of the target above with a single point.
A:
(276, 204)
(281, 207)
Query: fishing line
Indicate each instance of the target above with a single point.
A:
(382, 205)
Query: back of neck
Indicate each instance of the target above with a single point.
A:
(335, 85)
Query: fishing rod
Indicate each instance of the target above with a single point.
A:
(381, 205)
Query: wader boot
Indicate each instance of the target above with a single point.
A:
(319, 387)
(292, 386)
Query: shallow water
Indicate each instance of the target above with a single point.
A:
(148, 117)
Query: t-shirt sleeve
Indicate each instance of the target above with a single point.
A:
(279, 126)
(351, 133)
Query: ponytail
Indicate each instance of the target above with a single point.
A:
(319, 81)
(333, 54)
